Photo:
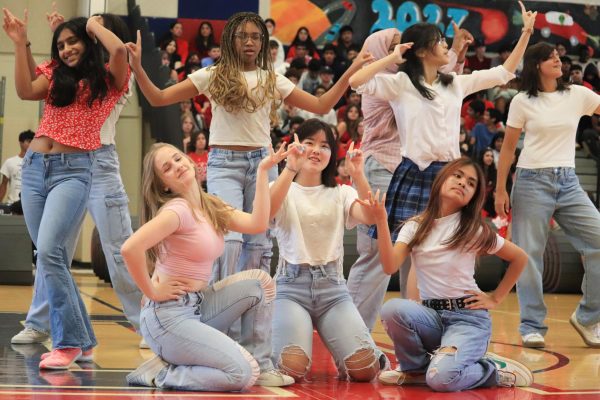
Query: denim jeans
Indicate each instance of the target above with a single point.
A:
(188, 333)
(55, 188)
(317, 294)
(367, 283)
(418, 331)
(538, 195)
(107, 204)
(231, 175)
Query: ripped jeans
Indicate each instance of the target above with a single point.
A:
(418, 331)
(318, 295)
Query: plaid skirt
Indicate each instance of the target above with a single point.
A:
(407, 194)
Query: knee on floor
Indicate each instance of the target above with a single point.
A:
(441, 373)
(294, 361)
(362, 365)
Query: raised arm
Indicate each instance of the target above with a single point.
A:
(391, 256)
(322, 105)
(134, 254)
(501, 200)
(114, 46)
(296, 157)
(365, 74)
(355, 166)
(27, 88)
(156, 97)
(513, 60)
(258, 220)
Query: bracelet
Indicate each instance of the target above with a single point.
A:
(28, 44)
(528, 30)
(291, 169)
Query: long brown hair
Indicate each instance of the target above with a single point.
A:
(228, 86)
(154, 196)
(471, 223)
(530, 76)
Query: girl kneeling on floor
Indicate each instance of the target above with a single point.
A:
(183, 318)
(453, 321)
(310, 212)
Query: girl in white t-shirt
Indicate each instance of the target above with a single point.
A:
(453, 322)
(245, 93)
(546, 187)
(309, 212)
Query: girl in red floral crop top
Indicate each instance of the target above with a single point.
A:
(79, 91)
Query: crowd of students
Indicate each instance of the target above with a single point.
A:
(211, 312)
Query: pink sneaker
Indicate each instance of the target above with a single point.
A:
(86, 356)
(61, 358)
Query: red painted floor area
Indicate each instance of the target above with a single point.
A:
(320, 384)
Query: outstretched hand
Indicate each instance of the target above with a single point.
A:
(528, 17)
(297, 154)
(399, 51)
(355, 161)
(462, 39)
(135, 51)
(54, 18)
(272, 158)
(15, 28)
(374, 206)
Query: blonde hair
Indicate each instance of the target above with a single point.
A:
(154, 196)
(228, 86)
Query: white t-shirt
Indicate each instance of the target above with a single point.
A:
(108, 130)
(309, 226)
(429, 129)
(330, 118)
(442, 273)
(240, 128)
(11, 170)
(550, 123)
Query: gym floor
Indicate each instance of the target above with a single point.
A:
(566, 369)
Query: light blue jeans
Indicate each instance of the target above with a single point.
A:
(55, 188)
(367, 283)
(231, 175)
(538, 195)
(418, 331)
(188, 333)
(317, 295)
(107, 203)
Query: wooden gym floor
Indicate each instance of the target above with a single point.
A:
(566, 369)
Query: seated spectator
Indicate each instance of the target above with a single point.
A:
(561, 49)
(468, 116)
(566, 63)
(165, 62)
(280, 66)
(302, 38)
(576, 76)
(496, 146)
(351, 98)
(483, 132)
(170, 46)
(344, 41)
(342, 177)
(485, 160)
(294, 74)
(176, 33)
(187, 129)
(348, 127)
(479, 60)
(310, 78)
(214, 53)
(328, 118)
(205, 39)
(188, 106)
(197, 150)
(592, 76)
(326, 77)
(331, 60)
(280, 56)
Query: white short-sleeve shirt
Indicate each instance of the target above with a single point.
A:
(442, 273)
(309, 226)
(11, 170)
(240, 128)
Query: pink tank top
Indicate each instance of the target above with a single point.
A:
(191, 250)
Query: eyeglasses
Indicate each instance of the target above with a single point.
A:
(244, 36)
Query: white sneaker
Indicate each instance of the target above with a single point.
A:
(590, 334)
(510, 372)
(145, 374)
(533, 340)
(29, 336)
(396, 377)
(274, 378)
(143, 344)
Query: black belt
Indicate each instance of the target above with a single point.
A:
(446, 304)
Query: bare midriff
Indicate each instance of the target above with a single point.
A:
(236, 148)
(46, 145)
(194, 285)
